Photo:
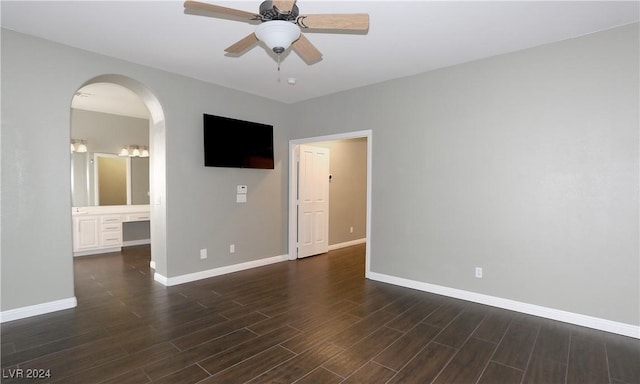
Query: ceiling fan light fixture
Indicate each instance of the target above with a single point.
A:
(278, 35)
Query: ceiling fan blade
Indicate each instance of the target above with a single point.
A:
(243, 45)
(306, 50)
(284, 6)
(223, 11)
(345, 21)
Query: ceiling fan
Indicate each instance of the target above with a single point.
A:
(281, 26)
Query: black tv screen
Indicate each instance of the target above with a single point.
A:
(236, 143)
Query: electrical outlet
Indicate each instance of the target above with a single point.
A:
(350, 229)
(232, 248)
(203, 253)
(479, 272)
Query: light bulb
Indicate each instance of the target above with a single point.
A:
(82, 147)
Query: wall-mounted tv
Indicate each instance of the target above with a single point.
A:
(236, 143)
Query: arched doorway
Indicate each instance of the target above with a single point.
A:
(157, 162)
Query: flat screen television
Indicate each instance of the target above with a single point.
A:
(236, 143)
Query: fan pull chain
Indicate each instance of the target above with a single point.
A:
(278, 67)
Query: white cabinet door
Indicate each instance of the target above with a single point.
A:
(313, 197)
(86, 232)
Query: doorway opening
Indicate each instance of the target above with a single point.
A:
(146, 163)
(294, 146)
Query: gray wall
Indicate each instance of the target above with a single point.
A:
(135, 230)
(347, 189)
(201, 209)
(525, 164)
(107, 133)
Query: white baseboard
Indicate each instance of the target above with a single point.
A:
(170, 281)
(97, 251)
(347, 244)
(531, 309)
(130, 243)
(38, 309)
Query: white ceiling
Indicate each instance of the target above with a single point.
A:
(110, 98)
(405, 37)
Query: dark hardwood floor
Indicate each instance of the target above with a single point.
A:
(315, 320)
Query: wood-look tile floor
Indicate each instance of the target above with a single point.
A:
(315, 320)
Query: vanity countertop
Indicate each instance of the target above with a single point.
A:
(109, 209)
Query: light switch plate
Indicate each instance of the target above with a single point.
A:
(241, 189)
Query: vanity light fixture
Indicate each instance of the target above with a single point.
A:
(79, 146)
(134, 151)
(82, 147)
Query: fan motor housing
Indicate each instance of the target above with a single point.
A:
(269, 12)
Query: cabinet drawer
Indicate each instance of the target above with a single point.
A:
(111, 227)
(111, 219)
(111, 239)
(138, 217)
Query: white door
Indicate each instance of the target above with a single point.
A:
(313, 201)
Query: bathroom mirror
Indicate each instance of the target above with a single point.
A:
(109, 179)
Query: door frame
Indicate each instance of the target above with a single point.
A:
(293, 183)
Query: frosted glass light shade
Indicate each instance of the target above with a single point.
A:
(277, 34)
(82, 147)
